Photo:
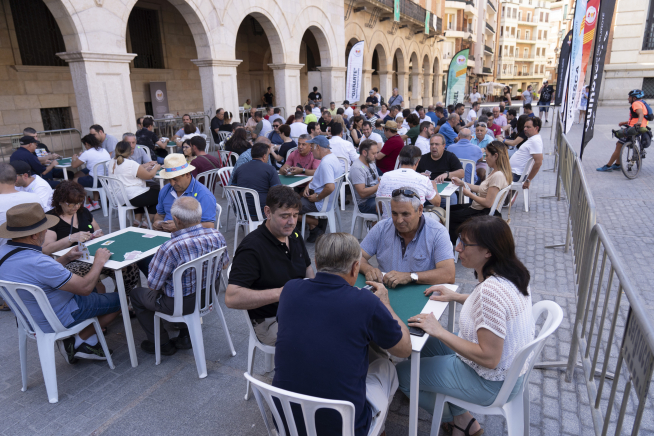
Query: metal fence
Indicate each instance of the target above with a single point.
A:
(64, 142)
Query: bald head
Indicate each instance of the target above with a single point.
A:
(263, 140)
(465, 134)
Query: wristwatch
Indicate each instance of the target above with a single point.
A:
(414, 277)
(448, 176)
(304, 170)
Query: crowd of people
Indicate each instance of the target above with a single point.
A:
(393, 153)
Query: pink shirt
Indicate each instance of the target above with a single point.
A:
(307, 162)
(497, 130)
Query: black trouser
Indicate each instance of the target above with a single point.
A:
(459, 213)
(148, 199)
(144, 265)
(146, 302)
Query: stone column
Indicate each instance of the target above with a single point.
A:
(439, 89)
(219, 88)
(287, 86)
(367, 85)
(333, 84)
(386, 84)
(403, 87)
(428, 99)
(416, 90)
(102, 90)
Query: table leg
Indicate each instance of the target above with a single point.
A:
(128, 324)
(415, 393)
(447, 213)
(65, 173)
(451, 314)
(161, 184)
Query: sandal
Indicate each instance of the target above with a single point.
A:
(466, 432)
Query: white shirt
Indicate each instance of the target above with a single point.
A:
(316, 111)
(426, 118)
(375, 137)
(471, 115)
(475, 97)
(273, 117)
(533, 145)
(41, 188)
(126, 173)
(406, 177)
(265, 128)
(7, 201)
(181, 133)
(423, 144)
(527, 97)
(92, 156)
(298, 129)
(349, 112)
(342, 148)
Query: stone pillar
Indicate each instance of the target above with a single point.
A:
(403, 88)
(102, 90)
(428, 99)
(386, 84)
(416, 90)
(287, 86)
(333, 84)
(367, 85)
(218, 81)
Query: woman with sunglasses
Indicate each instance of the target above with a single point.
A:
(494, 324)
(482, 195)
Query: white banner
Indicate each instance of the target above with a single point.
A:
(354, 73)
(576, 52)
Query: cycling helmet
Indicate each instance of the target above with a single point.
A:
(637, 93)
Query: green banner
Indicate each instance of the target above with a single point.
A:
(456, 78)
(427, 16)
(396, 10)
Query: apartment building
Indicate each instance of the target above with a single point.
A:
(460, 24)
(561, 16)
(487, 41)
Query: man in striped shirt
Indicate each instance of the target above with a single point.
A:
(187, 243)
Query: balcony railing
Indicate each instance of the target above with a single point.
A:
(488, 49)
(413, 11)
(489, 27)
(487, 70)
(467, 2)
(490, 3)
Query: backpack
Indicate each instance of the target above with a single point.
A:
(650, 115)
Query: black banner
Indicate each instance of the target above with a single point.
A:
(602, 30)
(562, 69)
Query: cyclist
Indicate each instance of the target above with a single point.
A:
(637, 124)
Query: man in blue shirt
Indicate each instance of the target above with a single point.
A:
(257, 175)
(327, 316)
(447, 129)
(431, 114)
(26, 153)
(464, 149)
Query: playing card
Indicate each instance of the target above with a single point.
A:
(108, 242)
(84, 250)
(149, 236)
(132, 255)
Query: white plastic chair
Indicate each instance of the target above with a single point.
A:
(397, 162)
(228, 158)
(44, 341)
(471, 180)
(203, 306)
(358, 215)
(329, 209)
(119, 202)
(223, 176)
(345, 162)
(219, 211)
(383, 207)
(208, 178)
(237, 198)
(516, 411)
(517, 186)
(288, 153)
(100, 190)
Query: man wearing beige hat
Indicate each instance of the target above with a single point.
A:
(71, 296)
(387, 157)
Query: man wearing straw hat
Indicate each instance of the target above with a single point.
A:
(71, 296)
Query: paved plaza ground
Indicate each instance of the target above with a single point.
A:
(169, 399)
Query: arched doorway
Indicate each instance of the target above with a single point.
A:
(399, 74)
(415, 89)
(426, 82)
(380, 73)
(314, 53)
(436, 82)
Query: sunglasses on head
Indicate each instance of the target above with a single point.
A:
(405, 192)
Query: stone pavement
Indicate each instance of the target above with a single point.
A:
(169, 399)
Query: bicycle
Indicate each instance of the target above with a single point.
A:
(632, 152)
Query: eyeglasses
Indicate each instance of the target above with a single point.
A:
(405, 192)
(464, 245)
(71, 204)
(276, 126)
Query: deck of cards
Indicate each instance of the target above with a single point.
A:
(82, 248)
(132, 255)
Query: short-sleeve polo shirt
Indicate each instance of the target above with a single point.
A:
(263, 262)
(168, 195)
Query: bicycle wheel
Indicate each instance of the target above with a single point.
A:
(630, 159)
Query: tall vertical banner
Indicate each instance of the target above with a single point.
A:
(456, 78)
(396, 10)
(354, 73)
(427, 15)
(605, 17)
(590, 21)
(562, 69)
(575, 65)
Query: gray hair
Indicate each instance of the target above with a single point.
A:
(304, 136)
(465, 133)
(128, 134)
(415, 202)
(187, 210)
(395, 89)
(336, 252)
(7, 174)
(440, 136)
(452, 117)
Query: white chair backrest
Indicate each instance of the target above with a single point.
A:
(228, 158)
(329, 202)
(552, 322)
(288, 153)
(223, 175)
(9, 293)
(208, 178)
(219, 211)
(528, 167)
(499, 200)
(115, 191)
(308, 405)
(397, 162)
(465, 163)
(205, 264)
(383, 207)
(96, 172)
(238, 199)
(346, 164)
(223, 136)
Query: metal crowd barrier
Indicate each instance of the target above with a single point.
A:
(65, 142)
(244, 114)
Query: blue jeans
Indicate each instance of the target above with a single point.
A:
(368, 206)
(94, 305)
(515, 177)
(442, 372)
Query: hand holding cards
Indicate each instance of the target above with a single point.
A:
(84, 250)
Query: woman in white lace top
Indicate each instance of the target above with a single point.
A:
(495, 322)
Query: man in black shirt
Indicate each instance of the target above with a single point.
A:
(265, 260)
(216, 122)
(442, 119)
(372, 99)
(440, 165)
(315, 96)
(147, 137)
(268, 97)
(326, 121)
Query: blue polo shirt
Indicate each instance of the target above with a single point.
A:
(484, 142)
(321, 320)
(449, 133)
(430, 245)
(32, 267)
(168, 195)
(24, 154)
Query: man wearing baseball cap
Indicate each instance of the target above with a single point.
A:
(387, 157)
(321, 185)
(26, 153)
(71, 296)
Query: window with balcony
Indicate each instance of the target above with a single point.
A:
(518, 34)
(520, 16)
(524, 70)
(502, 31)
(541, 17)
(503, 9)
(537, 51)
(515, 69)
(526, 53)
(547, 17)
(542, 69)
(540, 34)
(543, 51)
(526, 34)
(515, 13)
(528, 16)
(545, 35)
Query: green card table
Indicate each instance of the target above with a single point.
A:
(129, 239)
(293, 181)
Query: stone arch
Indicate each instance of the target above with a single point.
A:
(69, 24)
(379, 39)
(313, 19)
(324, 47)
(272, 27)
(355, 33)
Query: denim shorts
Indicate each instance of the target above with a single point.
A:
(86, 181)
(94, 305)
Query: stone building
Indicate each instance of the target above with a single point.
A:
(74, 63)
